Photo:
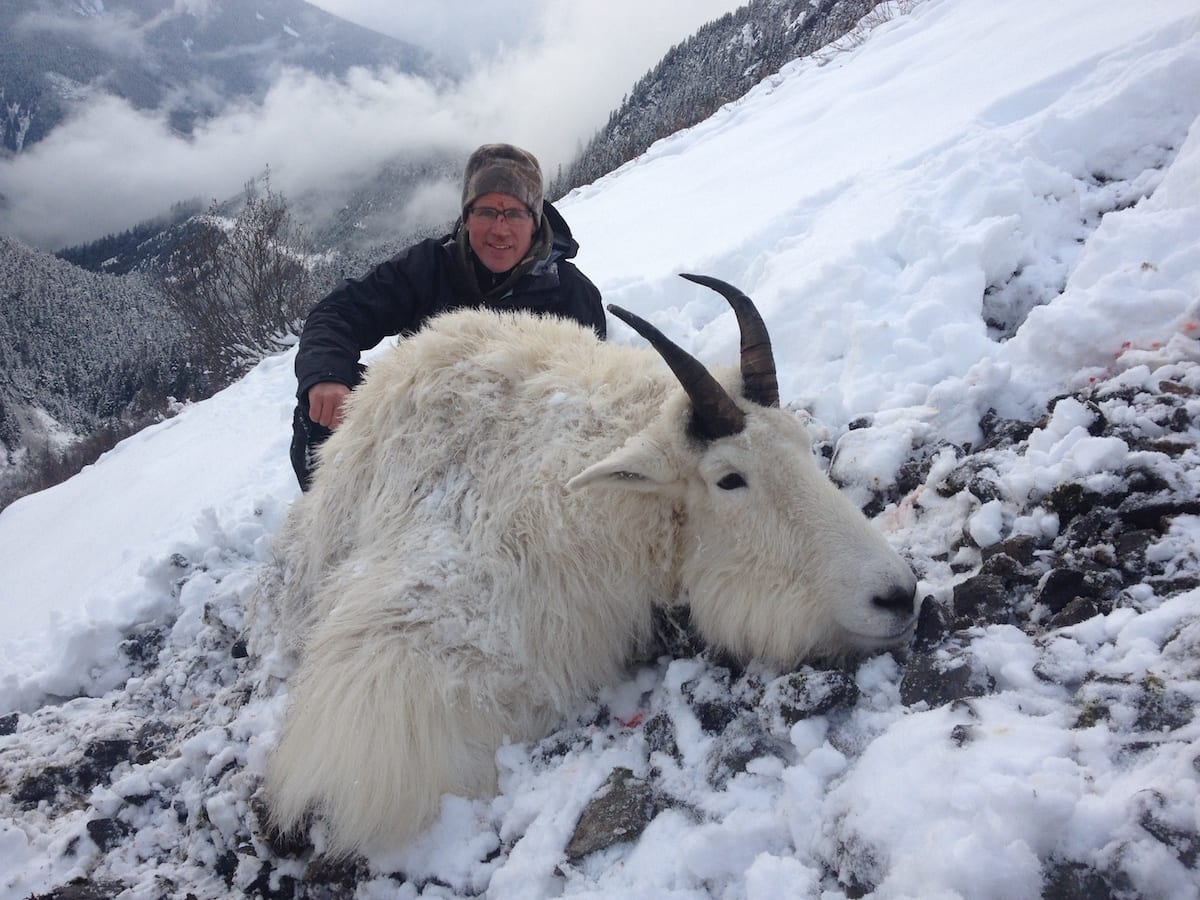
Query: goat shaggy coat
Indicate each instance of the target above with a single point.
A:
(485, 540)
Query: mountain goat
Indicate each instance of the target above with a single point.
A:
(491, 526)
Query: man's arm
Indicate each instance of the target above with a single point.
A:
(360, 312)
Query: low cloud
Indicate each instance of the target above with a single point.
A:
(540, 74)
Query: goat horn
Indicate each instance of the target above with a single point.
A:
(714, 414)
(759, 383)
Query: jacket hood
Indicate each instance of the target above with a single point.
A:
(564, 242)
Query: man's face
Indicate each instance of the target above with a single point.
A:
(498, 241)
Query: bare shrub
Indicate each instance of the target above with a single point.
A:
(242, 288)
(857, 34)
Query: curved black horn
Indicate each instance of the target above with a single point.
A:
(759, 382)
(714, 414)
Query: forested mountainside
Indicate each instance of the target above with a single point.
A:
(716, 65)
(187, 59)
(136, 249)
(80, 353)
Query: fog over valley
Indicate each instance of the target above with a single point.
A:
(540, 74)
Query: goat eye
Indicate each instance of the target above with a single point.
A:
(731, 482)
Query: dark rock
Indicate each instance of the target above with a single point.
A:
(711, 699)
(855, 886)
(674, 634)
(912, 475)
(1178, 388)
(287, 844)
(1185, 844)
(972, 475)
(1130, 547)
(8, 724)
(143, 646)
(1075, 881)
(107, 833)
(984, 487)
(1093, 713)
(802, 695)
(283, 844)
(962, 734)
(714, 715)
(1144, 481)
(931, 625)
(107, 754)
(1170, 446)
(1139, 511)
(1071, 499)
(999, 432)
(99, 759)
(1007, 569)
(620, 811)
(743, 741)
(877, 504)
(227, 866)
(1086, 529)
(151, 741)
(261, 886)
(1161, 708)
(1019, 547)
(937, 682)
(1061, 586)
(999, 564)
(335, 873)
(83, 889)
(43, 785)
(1078, 610)
(1099, 421)
(660, 735)
(981, 599)
(1169, 587)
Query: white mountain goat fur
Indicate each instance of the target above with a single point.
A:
(491, 526)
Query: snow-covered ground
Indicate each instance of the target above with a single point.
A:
(981, 208)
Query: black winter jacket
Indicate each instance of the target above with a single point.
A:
(400, 294)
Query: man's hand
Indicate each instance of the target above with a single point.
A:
(325, 403)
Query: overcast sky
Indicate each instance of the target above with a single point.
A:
(541, 73)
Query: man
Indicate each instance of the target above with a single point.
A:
(509, 250)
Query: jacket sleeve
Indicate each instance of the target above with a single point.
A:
(587, 305)
(360, 312)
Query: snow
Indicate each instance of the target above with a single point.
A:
(982, 206)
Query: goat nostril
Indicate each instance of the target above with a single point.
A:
(897, 600)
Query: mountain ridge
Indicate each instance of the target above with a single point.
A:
(188, 63)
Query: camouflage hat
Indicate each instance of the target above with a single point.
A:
(503, 169)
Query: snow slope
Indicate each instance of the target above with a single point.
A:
(981, 207)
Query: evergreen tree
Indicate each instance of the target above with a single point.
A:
(716, 65)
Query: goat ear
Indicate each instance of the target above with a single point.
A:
(640, 465)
